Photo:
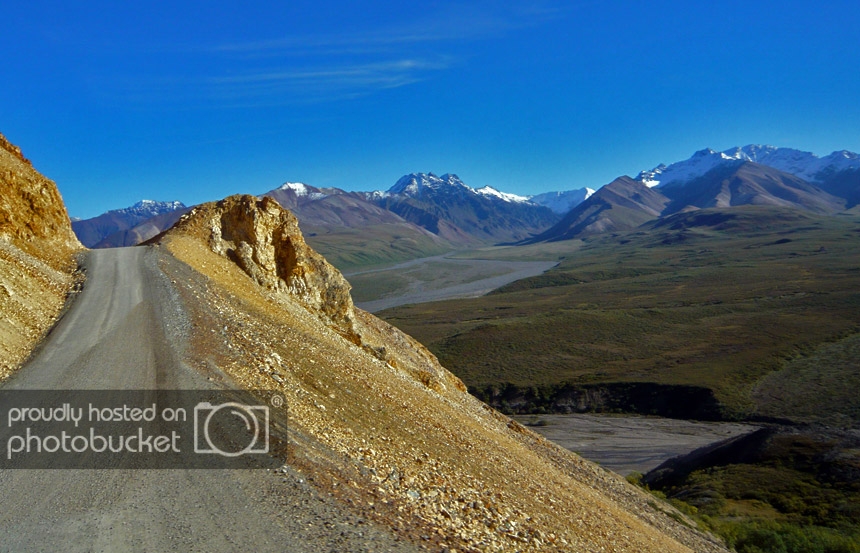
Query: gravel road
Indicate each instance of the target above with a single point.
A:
(126, 330)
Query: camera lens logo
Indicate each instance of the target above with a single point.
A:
(231, 429)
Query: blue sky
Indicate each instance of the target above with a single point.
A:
(195, 101)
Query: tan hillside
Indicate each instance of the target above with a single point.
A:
(37, 246)
(374, 419)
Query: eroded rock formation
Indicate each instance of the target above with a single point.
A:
(264, 240)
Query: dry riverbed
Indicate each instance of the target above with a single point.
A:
(626, 444)
(436, 278)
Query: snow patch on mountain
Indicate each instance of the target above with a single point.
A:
(562, 202)
(149, 208)
(699, 164)
(491, 192)
(302, 190)
(805, 165)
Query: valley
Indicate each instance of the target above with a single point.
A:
(461, 276)
(436, 278)
(733, 301)
(746, 314)
(714, 300)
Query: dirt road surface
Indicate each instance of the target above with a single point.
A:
(126, 331)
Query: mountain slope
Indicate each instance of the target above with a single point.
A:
(562, 202)
(375, 420)
(620, 205)
(351, 231)
(97, 229)
(749, 183)
(838, 174)
(844, 184)
(448, 208)
(141, 232)
(37, 247)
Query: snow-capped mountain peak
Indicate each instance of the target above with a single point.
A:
(150, 208)
(684, 171)
(489, 191)
(805, 165)
(413, 184)
(299, 188)
(562, 202)
(302, 190)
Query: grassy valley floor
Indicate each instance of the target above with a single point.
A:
(744, 314)
(724, 313)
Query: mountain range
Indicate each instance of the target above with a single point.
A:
(804, 165)
(129, 226)
(448, 208)
(752, 175)
(423, 214)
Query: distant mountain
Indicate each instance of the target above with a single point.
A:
(622, 204)
(747, 183)
(562, 202)
(142, 232)
(449, 208)
(92, 231)
(330, 207)
(352, 231)
(491, 192)
(833, 173)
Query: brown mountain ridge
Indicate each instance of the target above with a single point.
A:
(625, 204)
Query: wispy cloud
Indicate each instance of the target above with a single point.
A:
(324, 83)
(320, 67)
(455, 24)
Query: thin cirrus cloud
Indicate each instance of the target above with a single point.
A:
(323, 83)
(326, 67)
(456, 24)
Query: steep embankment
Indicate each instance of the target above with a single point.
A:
(37, 246)
(374, 419)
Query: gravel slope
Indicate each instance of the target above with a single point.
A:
(125, 331)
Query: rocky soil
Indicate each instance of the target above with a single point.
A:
(373, 418)
(37, 249)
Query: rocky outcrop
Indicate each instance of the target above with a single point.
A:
(264, 240)
(37, 249)
(32, 214)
